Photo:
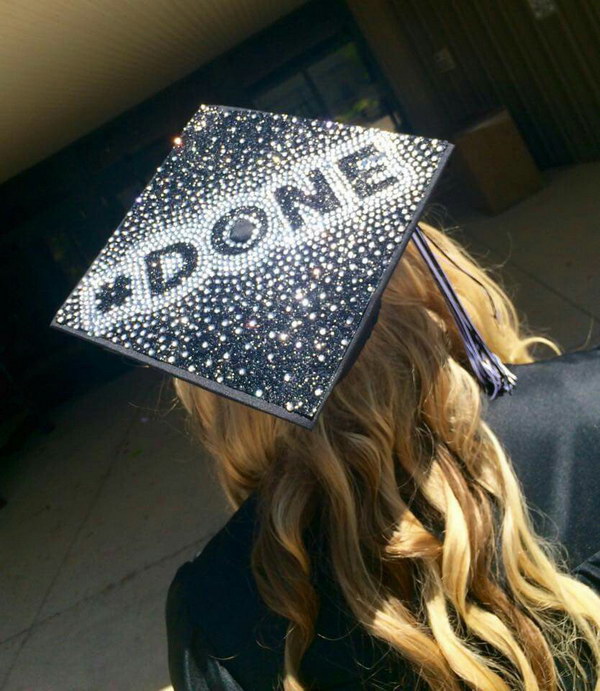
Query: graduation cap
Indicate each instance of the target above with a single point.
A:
(253, 262)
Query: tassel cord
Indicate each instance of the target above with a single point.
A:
(492, 374)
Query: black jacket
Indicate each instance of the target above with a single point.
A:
(222, 637)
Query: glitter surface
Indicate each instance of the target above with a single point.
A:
(253, 254)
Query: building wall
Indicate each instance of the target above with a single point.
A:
(451, 62)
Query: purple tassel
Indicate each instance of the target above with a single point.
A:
(495, 378)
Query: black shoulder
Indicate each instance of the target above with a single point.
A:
(217, 572)
(213, 605)
(550, 427)
(589, 572)
(563, 391)
(192, 663)
(232, 544)
(559, 379)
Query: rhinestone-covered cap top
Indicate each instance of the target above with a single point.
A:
(250, 259)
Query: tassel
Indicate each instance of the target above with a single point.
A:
(495, 378)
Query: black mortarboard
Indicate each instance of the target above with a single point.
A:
(253, 262)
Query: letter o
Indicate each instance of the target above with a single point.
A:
(239, 230)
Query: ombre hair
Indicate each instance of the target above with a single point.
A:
(404, 429)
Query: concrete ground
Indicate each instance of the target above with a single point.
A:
(546, 251)
(103, 510)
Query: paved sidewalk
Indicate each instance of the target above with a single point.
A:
(100, 514)
(548, 251)
(103, 510)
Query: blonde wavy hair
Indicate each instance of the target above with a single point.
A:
(405, 424)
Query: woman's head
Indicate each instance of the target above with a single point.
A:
(413, 343)
(409, 486)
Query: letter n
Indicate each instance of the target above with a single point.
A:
(322, 199)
